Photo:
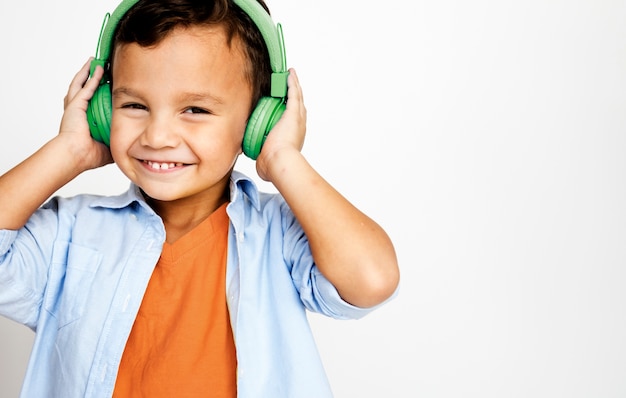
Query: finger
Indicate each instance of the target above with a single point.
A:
(80, 77)
(293, 83)
(78, 82)
(91, 85)
(86, 92)
(294, 92)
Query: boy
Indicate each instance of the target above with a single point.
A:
(192, 283)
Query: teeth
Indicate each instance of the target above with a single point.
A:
(163, 166)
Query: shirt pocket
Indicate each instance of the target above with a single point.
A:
(73, 272)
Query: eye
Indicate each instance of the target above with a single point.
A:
(133, 106)
(196, 110)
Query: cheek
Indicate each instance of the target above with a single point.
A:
(118, 144)
(240, 130)
(233, 139)
(222, 151)
(116, 153)
(217, 149)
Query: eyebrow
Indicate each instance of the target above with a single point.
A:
(124, 91)
(200, 97)
(184, 97)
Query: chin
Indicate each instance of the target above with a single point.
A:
(161, 195)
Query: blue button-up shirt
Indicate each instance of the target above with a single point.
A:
(77, 271)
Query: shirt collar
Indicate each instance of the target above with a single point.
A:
(240, 185)
(132, 195)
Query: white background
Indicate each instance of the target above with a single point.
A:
(486, 137)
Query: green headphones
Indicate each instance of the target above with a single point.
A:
(264, 116)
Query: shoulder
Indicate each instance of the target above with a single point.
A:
(63, 212)
(81, 202)
(246, 198)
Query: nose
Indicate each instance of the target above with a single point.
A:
(159, 133)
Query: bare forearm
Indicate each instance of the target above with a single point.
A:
(29, 184)
(349, 248)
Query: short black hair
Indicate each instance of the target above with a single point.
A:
(148, 22)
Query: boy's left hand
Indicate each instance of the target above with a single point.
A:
(288, 134)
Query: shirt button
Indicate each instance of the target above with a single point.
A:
(240, 236)
(133, 217)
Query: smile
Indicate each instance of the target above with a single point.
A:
(162, 165)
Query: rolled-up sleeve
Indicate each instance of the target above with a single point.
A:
(317, 293)
(24, 263)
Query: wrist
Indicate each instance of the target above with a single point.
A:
(275, 165)
(71, 153)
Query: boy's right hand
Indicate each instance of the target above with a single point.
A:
(26, 186)
(74, 130)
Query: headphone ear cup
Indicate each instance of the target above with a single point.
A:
(99, 114)
(264, 117)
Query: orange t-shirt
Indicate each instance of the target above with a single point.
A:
(181, 344)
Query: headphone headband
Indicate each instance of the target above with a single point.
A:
(272, 35)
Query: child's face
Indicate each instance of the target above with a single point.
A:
(179, 113)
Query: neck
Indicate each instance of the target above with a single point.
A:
(182, 215)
